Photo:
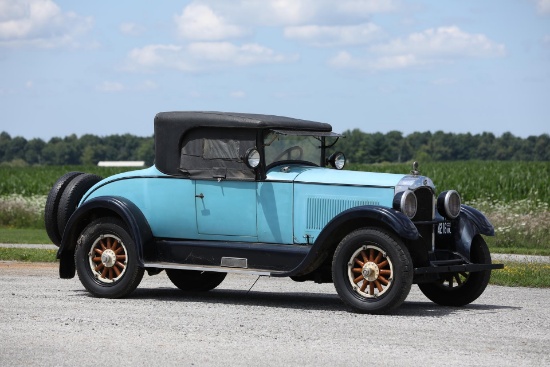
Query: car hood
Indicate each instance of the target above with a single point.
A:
(328, 176)
(355, 178)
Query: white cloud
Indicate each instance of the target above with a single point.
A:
(432, 46)
(201, 56)
(344, 60)
(110, 87)
(543, 6)
(238, 94)
(151, 57)
(131, 29)
(443, 42)
(39, 23)
(115, 87)
(334, 35)
(300, 12)
(199, 22)
(147, 85)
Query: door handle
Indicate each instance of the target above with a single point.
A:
(200, 196)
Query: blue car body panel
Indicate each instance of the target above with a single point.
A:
(291, 206)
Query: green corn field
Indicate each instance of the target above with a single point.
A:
(475, 180)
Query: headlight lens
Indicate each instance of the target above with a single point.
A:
(448, 204)
(252, 158)
(405, 202)
(337, 160)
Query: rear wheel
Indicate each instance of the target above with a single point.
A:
(459, 289)
(106, 259)
(193, 280)
(372, 271)
(52, 206)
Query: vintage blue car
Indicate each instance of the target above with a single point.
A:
(257, 194)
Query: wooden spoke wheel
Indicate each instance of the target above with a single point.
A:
(370, 271)
(107, 259)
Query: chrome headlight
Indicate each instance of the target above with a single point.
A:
(252, 158)
(448, 204)
(405, 202)
(337, 160)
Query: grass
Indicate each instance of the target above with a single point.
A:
(522, 274)
(27, 254)
(521, 227)
(24, 235)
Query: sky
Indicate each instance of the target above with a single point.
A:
(107, 67)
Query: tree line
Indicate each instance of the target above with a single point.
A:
(359, 147)
(72, 150)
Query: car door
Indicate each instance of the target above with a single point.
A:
(226, 208)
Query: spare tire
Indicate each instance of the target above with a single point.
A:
(71, 197)
(52, 204)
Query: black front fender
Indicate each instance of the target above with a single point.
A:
(349, 220)
(469, 224)
(478, 219)
(98, 207)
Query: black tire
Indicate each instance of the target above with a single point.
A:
(106, 259)
(373, 258)
(469, 286)
(195, 281)
(52, 205)
(71, 196)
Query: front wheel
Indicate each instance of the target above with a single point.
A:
(372, 271)
(106, 259)
(460, 289)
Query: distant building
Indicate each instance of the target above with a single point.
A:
(121, 163)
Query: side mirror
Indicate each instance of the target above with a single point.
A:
(337, 160)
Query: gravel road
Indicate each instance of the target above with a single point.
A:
(48, 321)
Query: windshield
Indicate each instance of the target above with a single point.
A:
(284, 148)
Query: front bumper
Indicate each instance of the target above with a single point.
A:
(450, 266)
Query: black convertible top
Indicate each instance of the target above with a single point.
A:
(170, 127)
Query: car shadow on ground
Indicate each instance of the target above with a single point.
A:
(301, 300)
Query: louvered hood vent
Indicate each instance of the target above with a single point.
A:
(320, 210)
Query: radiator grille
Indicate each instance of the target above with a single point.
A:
(425, 202)
(320, 210)
(425, 212)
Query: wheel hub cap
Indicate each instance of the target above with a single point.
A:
(108, 258)
(370, 271)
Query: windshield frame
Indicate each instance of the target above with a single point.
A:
(278, 134)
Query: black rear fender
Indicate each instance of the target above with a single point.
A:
(103, 206)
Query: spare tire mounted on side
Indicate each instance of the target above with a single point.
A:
(52, 205)
(71, 198)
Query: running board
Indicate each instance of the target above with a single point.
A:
(218, 269)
